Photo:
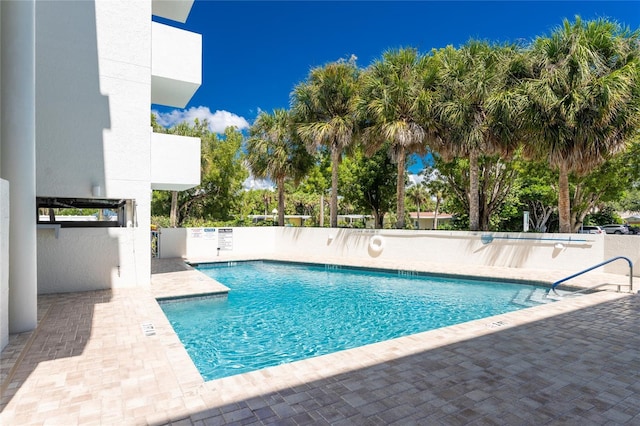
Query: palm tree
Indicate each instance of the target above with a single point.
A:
(273, 152)
(394, 106)
(436, 186)
(419, 195)
(584, 102)
(266, 199)
(323, 111)
(478, 110)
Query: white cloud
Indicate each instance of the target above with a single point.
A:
(218, 121)
(253, 183)
(415, 179)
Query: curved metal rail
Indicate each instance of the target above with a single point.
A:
(554, 285)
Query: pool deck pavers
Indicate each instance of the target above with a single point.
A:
(111, 357)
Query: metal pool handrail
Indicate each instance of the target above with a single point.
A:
(554, 285)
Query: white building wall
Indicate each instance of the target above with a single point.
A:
(72, 112)
(93, 81)
(18, 139)
(4, 239)
(4, 263)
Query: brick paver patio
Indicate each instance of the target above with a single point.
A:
(91, 362)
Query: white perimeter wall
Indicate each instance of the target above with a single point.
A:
(514, 250)
(203, 243)
(93, 90)
(4, 263)
(622, 245)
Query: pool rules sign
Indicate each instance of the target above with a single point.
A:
(225, 238)
(217, 238)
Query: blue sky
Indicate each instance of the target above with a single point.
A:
(255, 52)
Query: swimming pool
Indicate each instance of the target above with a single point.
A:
(277, 313)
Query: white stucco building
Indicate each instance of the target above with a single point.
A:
(77, 82)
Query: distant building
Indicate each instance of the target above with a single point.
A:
(427, 220)
(78, 79)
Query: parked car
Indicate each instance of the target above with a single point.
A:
(615, 229)
(633, 230)
(588, 229)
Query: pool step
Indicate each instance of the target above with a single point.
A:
(529, 297)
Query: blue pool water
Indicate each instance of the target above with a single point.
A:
(277, 313)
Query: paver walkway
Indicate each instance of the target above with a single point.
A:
(91, 362)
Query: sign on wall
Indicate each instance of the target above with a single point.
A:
(210, 233)
(225, 239)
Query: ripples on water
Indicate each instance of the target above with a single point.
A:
(277, 313)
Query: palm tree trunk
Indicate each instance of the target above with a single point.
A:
(280, 183)
(333, 208)
(173, 215)
(435, 213)
(400, 188)
(418, 216)
(474, 201)
(564, 204)
(266, 200)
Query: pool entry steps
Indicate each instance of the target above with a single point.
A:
(557, 283)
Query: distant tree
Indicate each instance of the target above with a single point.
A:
(538, 192)
(157, 128)
(257, 201)
(368, 183)
(316, 184)
(606, 183)
(496, 180)
(584, 102)
(630, 199)
(436, 186)
(604, 216)
(274, 152)
(324, 114)
(301, 203)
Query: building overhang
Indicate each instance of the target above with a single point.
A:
(176, 10)
(175, 162)
(176, 65)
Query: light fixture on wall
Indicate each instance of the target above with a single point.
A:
(96, 191)
(559, 246)
(486, 238)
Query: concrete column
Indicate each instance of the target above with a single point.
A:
(4, 263)
(18, 138)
